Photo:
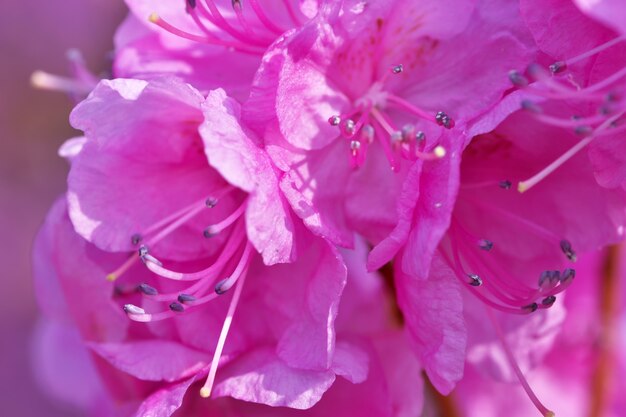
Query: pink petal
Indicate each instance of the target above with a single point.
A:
(433, 309)
(139, 165)
(243, 164)
(153, 360)
(165, 401)
(262, 377)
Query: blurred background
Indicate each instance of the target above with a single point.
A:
(36, 35)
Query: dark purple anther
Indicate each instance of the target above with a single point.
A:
(517, 79)
(566, 247)
(531, 308)
(444, 120)
(558, 67)
(568, 275)
(485, 244)
(177, 307)
(476, 281)
(223, 286)
(531, 106)
(186, 298)
(147, 289)
(135, 239)
(505, 185)
(211, 202)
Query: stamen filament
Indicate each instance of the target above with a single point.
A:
(518, 372)
(264, 19)
(405, 105)
(526, 185)
(595, 50)
(207, 388)
(292, 13)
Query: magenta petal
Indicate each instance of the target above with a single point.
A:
(165, 401)
(611, 12)
(433, 309)
(261, 377)
(64, 367)
(316, 193)
(139, 165)
(312, 304)
(351, 362)
(146, 359)
(80, 270)
(230, 151)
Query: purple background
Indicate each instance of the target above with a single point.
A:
(35, 35)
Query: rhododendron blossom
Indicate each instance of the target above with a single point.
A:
(306, 207)
(583, 90)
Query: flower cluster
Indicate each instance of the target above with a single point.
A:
(334, 207)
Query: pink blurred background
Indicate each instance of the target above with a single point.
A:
(33, 123)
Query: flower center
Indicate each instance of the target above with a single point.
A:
(606, 98)
(206, 284)
(368, 120)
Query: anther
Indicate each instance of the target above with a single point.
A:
(531, 106)
(444, 120)
(568, 275)
(348, 127)
(177, 307)
(485, 244)
(531, 308)
(517, 79)
(355, 145)
(548, 301)
(136, 239)
(208, 233)
(211, 202)
(146, 257)
(191, 3)
(237, 4)
(396, 137)
(367, 133)
(147, 289)
(558, 67)
(223, 286)
(548, 280)
(133, 309)
(334, 120)
(186, 298)
(397, 69)
(408, 132)
(566, 247)
(476, 281)
(505, 185)
(583, 130)
(420, 136)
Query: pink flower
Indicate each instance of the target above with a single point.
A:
(147, 370)
(348, 104)
(210, 44)
(140, 181)
(505, 247)
(587, 80)
(584, 372)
